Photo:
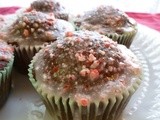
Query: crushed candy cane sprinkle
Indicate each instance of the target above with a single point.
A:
(50, 6)
(43, 5)
(105, 19)
(83, 60)
(34, 24)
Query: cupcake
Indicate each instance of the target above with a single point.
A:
(6, 61)
(32, 31)
(1, 20)
(50, 6)
(85, 76)
(1, 25)
(110, 22)
(5, 21)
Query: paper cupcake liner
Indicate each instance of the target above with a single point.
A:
(124, 39)
(23, 56)
(61, 108)
(5, 82)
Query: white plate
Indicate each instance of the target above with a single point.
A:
(24, 103)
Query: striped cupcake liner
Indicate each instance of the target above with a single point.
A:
(5, 82)
(23, 56)
(124, 39)
(60, 108)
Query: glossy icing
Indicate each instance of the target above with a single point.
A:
(86, 65)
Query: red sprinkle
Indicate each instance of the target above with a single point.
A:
(78, 40)
(55, 69)
(94, 74)
(28, 9)
(26, 33)
(107, 45)
(84, 102)
(50, 20)
(69, 34)
(46, 50)
(66, 87)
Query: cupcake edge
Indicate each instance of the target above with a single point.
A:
(110, 108)
(5, 82)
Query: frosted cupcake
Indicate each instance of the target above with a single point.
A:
(110, 22)
(85, 76)
(32, 31)
(5, 22)
(49, 6)
(6, 62)
(1, 20)
(1, 25)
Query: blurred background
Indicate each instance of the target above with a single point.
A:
(143, 6)
(146, 12)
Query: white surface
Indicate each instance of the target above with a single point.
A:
(21, 99)
(25, 104)
(149, 6)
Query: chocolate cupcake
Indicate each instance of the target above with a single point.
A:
(85, 76)
(32, 31)
(50, 6)
(6, 62)
(110, 22)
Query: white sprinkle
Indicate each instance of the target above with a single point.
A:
(44, 76)
(71, 76)
(37, 68)
(110, 68)
(23, 24)
(64, 65)
(32, 30)
(83, 66)
(84, 72)
(121, 64)
(76, 83)
(91, 51)
(91, 58)
(101, 52)
(110, 61)
(80, 57)
(90, 43)
(51, 55)
(95, 64)
(59, 45)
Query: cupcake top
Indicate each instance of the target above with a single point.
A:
(36, 28)
(1, 25)
(50, 6)
(1, 20)
(6, 54)
(85, 65)
(6, 21)
(105, 19)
